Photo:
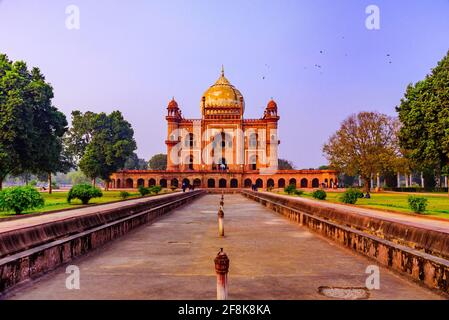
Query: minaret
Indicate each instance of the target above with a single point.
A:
(173, 118)
(272, 118)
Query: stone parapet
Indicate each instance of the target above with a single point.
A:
(27, 253)
(416, 252)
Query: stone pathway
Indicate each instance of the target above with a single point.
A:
(270, 258)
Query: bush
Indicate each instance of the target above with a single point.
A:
(319, 194)
(124, 194)
(84, 192)
(417, 204)
(155, 189)
(144, 191)
(351, 196)
(19, 199)
(299, 192)
(290, 189)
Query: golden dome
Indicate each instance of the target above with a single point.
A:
(222, 94)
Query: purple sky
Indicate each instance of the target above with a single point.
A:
(135, 55)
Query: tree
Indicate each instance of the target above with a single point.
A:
(424, 114)
(80, 134)
(135, 163)
(158, 162)
(111, 144)
(31, 128)
(16, 115)
(284, 164)
(50, 126)
(365, 144)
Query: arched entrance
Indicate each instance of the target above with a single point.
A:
(253, 162)
(140, 183)
(222, 183)
(248, 183)
(211, 183)
(119, 184)
(129, 183)
(315, 183)
(174, 183)
(270, 183)
(259, 183)
(292, 182)
(197, 183)
(151, 182)
(281, 183)
(186, 182)
(304, 183)
(163, 183)
(234, 183)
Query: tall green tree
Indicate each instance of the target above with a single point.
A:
(50, 126)
(158, 162)
(31, 128)
(365, 144)
(424, 115)
(80, 134)
(15, 117)
(111, 144)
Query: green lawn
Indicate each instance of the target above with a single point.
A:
(58, 201)
(437, 205)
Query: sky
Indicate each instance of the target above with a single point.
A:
(317, 59)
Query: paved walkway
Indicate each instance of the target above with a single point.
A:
(8, 225)
(417, 221)
(270, 258)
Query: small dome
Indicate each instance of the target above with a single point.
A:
(272, 104)
(173, 104)
(222, 94)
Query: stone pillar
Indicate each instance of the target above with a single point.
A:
(221, 222)
(406, 180)
(445, 181)
(378, 181)
(360, 181)
(398, 180)
(222, 269)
